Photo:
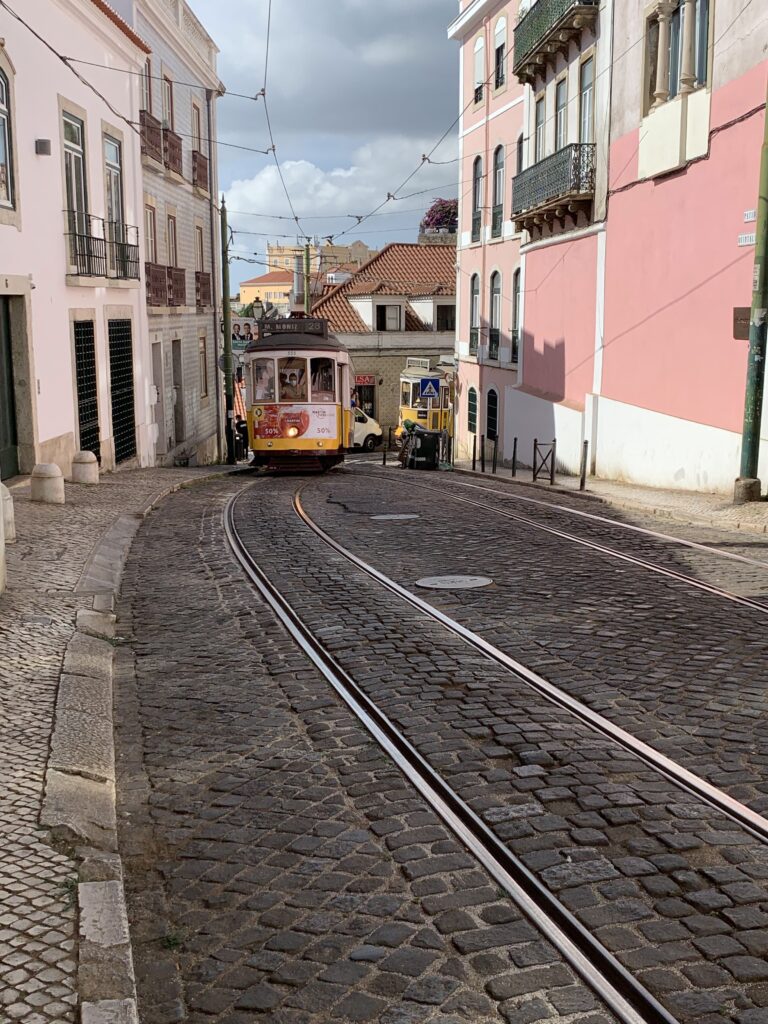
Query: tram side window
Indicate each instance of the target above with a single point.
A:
(322, 375)
(417, 402)
(405, 393)
(263, 380)
(293, 379)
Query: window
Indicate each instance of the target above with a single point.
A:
(472, 411)
(498, 191)
(199, 249)
(150, 230)
(293, 379)
(675, 50)
(323, 373)
(520, 154)
(6, 176)
(515, 314)
(387, 318)
(492, 415)
(701, 42)
(173, 252)
(446, 318)
(167, 103)
(539, 138)
(203, 356)
(197, 134)
(474, 312)
(113, 164)
(479, 69)
(263, 380)
(146, 87)
(586, 120)
(477, 197)
(495, 325)
(499, 49)
(74, 174)
(561, 113)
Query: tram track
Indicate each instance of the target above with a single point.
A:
(616, 986)
(604, 549)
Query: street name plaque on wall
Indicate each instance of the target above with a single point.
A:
(741, 323)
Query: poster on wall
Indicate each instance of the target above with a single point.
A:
(243, 331)
(308, 422)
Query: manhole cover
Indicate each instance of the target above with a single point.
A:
(402, 515)
(453, 582)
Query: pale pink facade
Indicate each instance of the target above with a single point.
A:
(632, 261)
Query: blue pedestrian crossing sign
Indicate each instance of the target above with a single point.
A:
(429, 387)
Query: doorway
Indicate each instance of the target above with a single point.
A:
(87, 390)
(178, 391)
(9, 441)
(158, 380)
(121, 389)
(366, 394)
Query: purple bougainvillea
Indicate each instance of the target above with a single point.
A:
(443, 213)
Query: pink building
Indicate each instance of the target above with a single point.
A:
(634, 204)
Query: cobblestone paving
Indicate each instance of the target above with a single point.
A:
(682, 669)
(278, 867)
(675, 889)
(37, 619)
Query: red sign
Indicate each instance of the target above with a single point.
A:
(365, 379)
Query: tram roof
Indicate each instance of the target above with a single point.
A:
(308, 333)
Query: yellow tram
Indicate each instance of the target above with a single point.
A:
(432, 413)
(297, 378)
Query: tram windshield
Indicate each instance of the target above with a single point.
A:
(293, 379)
(322, 370)
(263, 371)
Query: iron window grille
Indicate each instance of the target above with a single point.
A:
(122, 389)
(478, 93)
(474, 337)
(493, 343)
(496, 220)
(87, 388)
(477, 219)
(515, 345)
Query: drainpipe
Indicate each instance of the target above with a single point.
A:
(212, 187)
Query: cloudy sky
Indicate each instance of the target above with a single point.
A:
(357, 90)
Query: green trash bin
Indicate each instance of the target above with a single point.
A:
(425, 450)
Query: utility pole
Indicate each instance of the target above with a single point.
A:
(747, 486)
(307, 298)
(229, 389)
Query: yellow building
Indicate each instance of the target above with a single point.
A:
(274, 287)
(325, 257)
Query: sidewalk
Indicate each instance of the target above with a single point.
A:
(55, 675)
(690, 507)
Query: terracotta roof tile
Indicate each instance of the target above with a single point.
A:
(273, 277)
(124, 27)
(403, 269)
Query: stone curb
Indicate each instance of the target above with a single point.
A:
(79, 803)
(663, 512)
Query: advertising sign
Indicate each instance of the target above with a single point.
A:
(305, 422)
(365, 379)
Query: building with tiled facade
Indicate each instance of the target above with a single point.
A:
(399, 304)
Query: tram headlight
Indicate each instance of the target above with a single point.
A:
(292, 431)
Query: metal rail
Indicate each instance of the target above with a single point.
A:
(602, 972)
(744, 816)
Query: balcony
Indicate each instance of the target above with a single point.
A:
(202, 289)
(477, 220)
(151, 136)
(493, 343)
(478, 93)
(99, 248)
(497, 218)
(157, 284)
(547, 30)
(177, 286)
(200, 171)
(561, 184)
(515, 346)
(172, 152)
(474, 336)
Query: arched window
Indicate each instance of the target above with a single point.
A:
(474, 312)
(500, 51)
(492, 415)
(6, 175)
(477, 197)
(515, 315)
(498, 192)
(472, 411)
(495, 307)
(479, 79)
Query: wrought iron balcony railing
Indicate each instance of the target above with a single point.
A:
(474, 337)
(157, 284)
(202, 289)
(172, 157)
(567, 174)
(177, 286)
(547, 29)
(515, 357)
(478, 93)
(493, 343)
(477, 220)
(497, 219)
(151, 136)
(99, 248)
(200, 170)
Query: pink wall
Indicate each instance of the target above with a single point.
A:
(559, 321)
(674, 272)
